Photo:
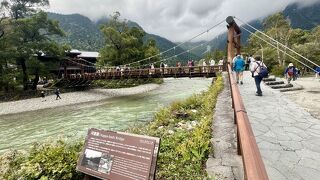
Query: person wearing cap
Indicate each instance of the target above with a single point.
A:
(290, 72)
(238, 67)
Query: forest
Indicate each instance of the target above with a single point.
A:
(28, 35)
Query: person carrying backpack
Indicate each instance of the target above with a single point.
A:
(290, 72)
(238, 67)
(259, 71)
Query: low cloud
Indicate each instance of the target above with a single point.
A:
(176, 20)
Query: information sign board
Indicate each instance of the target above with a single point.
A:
(117, 155)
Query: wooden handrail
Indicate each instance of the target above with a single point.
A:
(247, 146)
(184, 71)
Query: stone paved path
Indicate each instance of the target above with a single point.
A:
(288, 137)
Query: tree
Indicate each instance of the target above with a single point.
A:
(22, 8)
(277, 27)
(25, 37)
(150, 50)
(310, 47)
(124, 44)
(32, 41)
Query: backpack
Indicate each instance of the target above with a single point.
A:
(290, 72)
(263, 73)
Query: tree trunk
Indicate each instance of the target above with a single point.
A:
(278, 52)
(25, 75)
(284, 55)
(1, 77)
(35, 82)
(6, 87)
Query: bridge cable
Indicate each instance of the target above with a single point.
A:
(186, 51)
(276, 48)
(277, 41)
(195, 47)
(173, 48)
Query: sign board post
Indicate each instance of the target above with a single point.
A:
(117, 155)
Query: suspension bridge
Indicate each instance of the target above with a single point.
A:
(270, 142)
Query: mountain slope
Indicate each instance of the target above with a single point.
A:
(304, 18)
(83, 34)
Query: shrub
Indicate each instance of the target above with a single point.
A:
(184, 149)
(278, 70)
(44, 161)
(124, 83)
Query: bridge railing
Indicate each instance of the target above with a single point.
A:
(156, 72)
(247, 146)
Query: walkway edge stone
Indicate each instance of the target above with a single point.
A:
(224, 163)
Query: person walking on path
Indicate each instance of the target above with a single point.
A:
(317, 71)
(238, 67)
(290, 73)
(43, 96)
(255, 69)
(251, 61)
(57, 92)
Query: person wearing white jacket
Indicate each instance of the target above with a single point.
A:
(255, 69)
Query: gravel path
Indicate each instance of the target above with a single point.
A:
(71, 98)
(309, 97)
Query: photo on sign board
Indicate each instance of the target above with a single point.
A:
(105, 163)
(91, 159)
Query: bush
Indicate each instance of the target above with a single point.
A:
(278, 71)
(44, 161)
(124, 83)
(185, 141)
(184, 149)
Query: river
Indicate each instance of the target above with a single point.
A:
(18, 131)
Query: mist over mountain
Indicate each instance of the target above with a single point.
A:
(300, 17)
(84, 34)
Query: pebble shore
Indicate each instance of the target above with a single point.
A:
(70, 99)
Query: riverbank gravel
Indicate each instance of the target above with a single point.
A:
(70, 99)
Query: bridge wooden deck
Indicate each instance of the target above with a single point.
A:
(176, 72)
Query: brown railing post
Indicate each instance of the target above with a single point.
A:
(247, 147)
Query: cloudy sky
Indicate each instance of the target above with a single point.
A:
(176, 20)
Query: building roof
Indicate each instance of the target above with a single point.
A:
(88, 54)
(85, 54)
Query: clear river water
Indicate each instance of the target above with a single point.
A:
(18, 131)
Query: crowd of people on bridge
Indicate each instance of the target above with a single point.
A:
(189, 67)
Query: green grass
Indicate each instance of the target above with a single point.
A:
(184, 149)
